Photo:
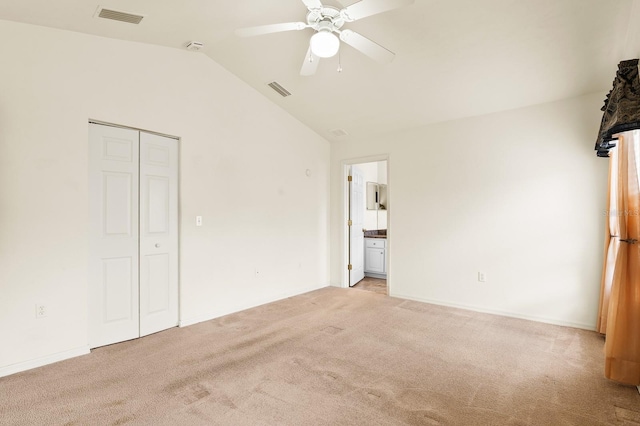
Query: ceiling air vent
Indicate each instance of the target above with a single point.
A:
(281, 90)
(194, 46)
(117, 15)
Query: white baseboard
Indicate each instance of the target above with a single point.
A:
(184, 322)
(374, 275)
(554, 321)
(45, 360)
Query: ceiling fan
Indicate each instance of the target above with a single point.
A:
(327, 21)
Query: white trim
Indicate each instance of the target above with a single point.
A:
(122, 126)
(344, 247)
(554, 321)
(374, 275)
(45, 360)
(185, 322)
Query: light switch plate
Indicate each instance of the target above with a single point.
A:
(198, 220)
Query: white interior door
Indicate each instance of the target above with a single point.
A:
(158, 233)
(133, 197)
(356, 236)
(113, 229)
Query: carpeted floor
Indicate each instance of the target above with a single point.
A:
(333, 357)
(377, 285)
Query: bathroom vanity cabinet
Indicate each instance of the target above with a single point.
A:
(375, 257)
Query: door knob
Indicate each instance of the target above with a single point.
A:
(157, 245)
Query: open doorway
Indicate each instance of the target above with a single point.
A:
(367, 222)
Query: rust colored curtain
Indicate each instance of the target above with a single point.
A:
(611, 243)
(622, 345)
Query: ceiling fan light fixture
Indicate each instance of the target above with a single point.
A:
(324, 44)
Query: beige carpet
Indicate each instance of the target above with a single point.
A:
(333, 357)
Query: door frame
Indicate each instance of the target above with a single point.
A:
(344, 229)
(179, 236)
(121, 126)
(355, 225)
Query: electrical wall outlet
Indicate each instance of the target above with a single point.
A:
(482, 277)
(41, 310)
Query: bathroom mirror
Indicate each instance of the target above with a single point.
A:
(372, 196)
(376, 196)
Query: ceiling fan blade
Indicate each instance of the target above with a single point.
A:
(268, 29)
(312, 4)
(310, 64)
(366, 46)
(365, 8)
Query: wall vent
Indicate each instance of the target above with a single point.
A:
(281, 90)
(117, 15)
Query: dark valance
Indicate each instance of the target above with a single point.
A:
(621, 108)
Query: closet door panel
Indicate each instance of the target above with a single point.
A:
(158, 233)
(113, 235)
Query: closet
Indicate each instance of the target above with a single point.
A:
(133, 234)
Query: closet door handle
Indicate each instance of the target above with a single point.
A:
(157, 245)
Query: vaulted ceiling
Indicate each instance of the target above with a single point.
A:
(454, 58)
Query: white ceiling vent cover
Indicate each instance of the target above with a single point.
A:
(281, 90)
(117, 15)
(194, 46)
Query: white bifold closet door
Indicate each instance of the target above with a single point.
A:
(158, 233)
(133, 197)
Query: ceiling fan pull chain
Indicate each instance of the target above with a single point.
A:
(339, 62)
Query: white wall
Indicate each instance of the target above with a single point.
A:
(374, 172)
(243, 163)
(518, 195)
(382, 172)
(370, 174)
(382, 179)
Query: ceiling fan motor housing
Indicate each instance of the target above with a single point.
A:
(326, 17)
